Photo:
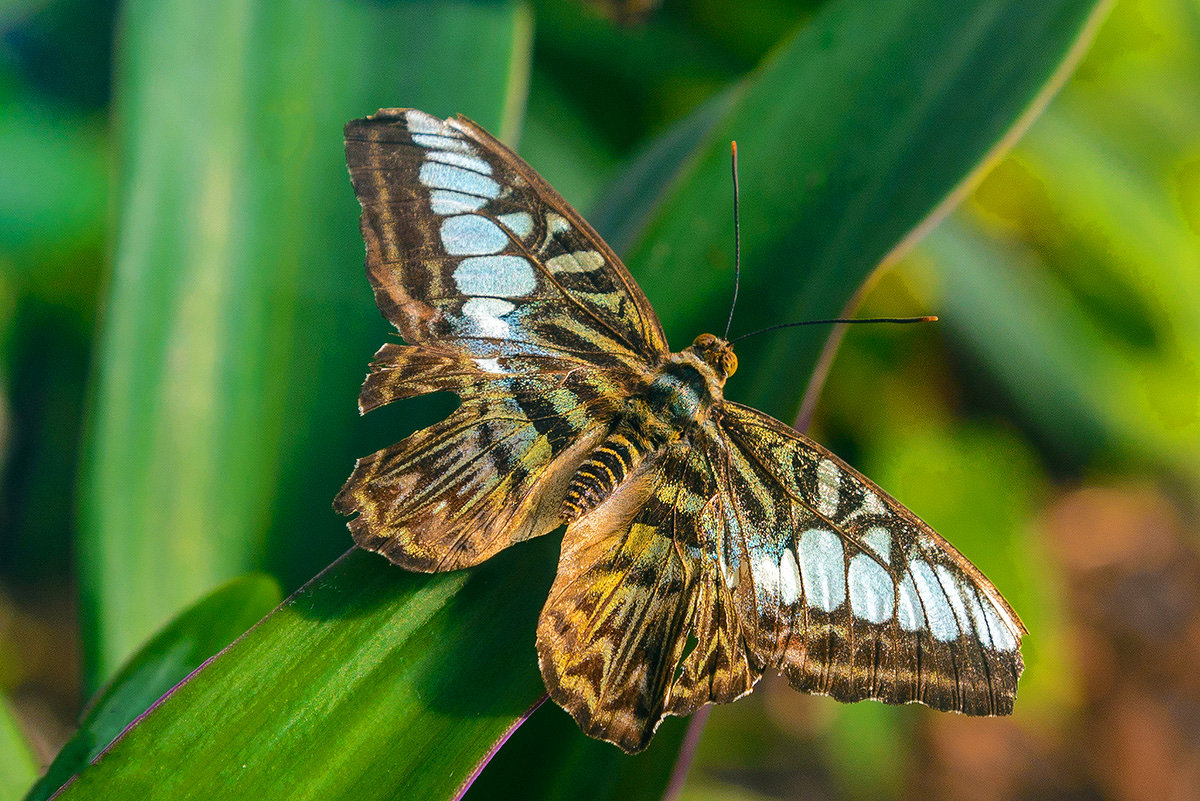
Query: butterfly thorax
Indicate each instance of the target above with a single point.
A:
(675, 398)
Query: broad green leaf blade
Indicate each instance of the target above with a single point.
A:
(238, 324)
(18, 767)
(640, 191)
(370, 683)
(53, 184)
(851, 135)
(182, 646)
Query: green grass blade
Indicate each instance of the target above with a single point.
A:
(238, 324)
(18, 767)
(182, 646)
(850, 136)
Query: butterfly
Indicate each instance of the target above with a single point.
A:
(705, 542)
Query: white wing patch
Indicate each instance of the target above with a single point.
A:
(872, 593)
(519, 222)
(495, 276)
(490, 365)
(421, 123)
(444, 201)
(486, 317)
(822, 568)
(910, 614)
(460, 159)
(1003, 631)
(472, 235)
(954, 592)
(766, 577)
(582, 261)
(938, 613)
(789, 578)
(436, 175)
(556, 224)
(879, 540)
(829, 479)
(978, 618)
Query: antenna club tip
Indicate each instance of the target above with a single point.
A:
(733, 146)
(931, 318)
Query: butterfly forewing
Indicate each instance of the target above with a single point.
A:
(851, 595)
(706, 542)
(469, 249)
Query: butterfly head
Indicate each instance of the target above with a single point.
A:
(717, 353)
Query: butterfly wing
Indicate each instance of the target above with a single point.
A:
(638, 624)
(746, 546)
(468, 249)
(847, 592)
(507, 297)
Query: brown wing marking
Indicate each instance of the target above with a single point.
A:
(405, 371)
(631, 593)
(492, 474)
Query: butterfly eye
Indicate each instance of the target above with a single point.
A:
(704, 341)
(729, 363)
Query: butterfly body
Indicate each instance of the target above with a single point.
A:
(706, 542)
(664, 407)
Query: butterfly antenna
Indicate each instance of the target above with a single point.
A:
(737, 279)
(737, 242)
(901, 320)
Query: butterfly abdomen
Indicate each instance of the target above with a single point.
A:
(605, 469)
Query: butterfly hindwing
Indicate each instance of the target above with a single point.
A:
(848, 593)
(493, 473)
(637, 624)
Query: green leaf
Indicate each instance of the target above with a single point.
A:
(53, 183)
(18, 766)
(369, 682)
(182, 646)
(238, 325)
(850, 136)
(570, 765)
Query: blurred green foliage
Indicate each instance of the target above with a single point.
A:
(234, 326)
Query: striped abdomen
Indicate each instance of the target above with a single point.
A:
(607, 467)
